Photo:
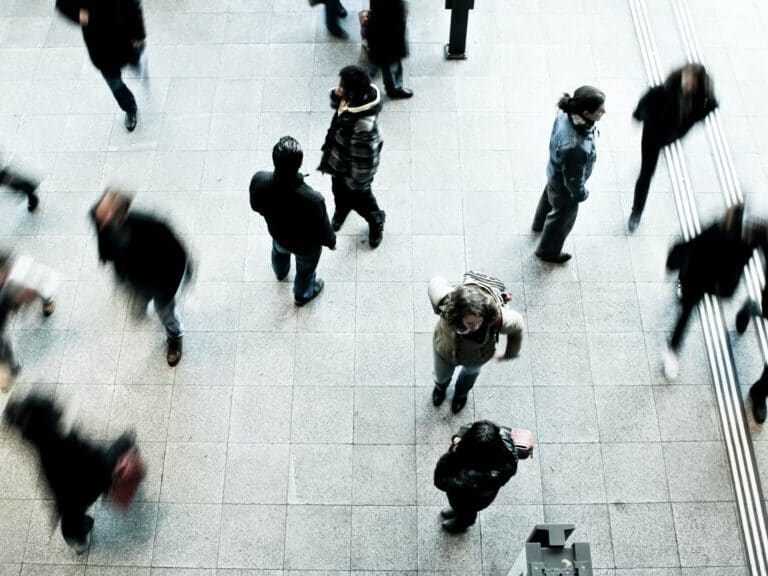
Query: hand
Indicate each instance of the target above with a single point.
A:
(332, 247)
(339, 92)
(137, 44)
(83, 17)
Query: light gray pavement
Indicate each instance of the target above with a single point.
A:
(302, 442)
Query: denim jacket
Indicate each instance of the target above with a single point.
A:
(571, 157)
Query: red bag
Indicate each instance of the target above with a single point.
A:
(129, 471)
(524, 441)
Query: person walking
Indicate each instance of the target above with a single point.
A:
(352, 150)
(334, 12)
(147, 256)
(472, 316)
(296, 218)
(387, 43)
(114, 34)
(572, 156)
(21, 185)
(668, 112)
(480, 460)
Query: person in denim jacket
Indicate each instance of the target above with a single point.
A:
(571, 158)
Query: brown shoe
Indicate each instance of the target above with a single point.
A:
(174, 352)
(48, 307)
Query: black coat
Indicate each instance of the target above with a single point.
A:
(112, 26)
(387, 41)
(295, 213)
(146, 254)
(659, 110)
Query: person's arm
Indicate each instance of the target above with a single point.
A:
(134, 20)
(447, 475)
(257, 185)
(574, 173)
(437, 289)
(641, 110)
(70, 9)
(326, 230)
(364, 149)
(513, 326)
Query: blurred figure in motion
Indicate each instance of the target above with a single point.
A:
(21, 185)
(352, 150)
(296, 218)
(668, 112)
(334, 12)
(710, 263)
(572, 155)
(114, 34)
(76, 471)
(147, 256)
(22, 281)
(384, 27)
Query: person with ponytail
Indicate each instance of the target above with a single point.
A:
(668, 112)
(571, 159)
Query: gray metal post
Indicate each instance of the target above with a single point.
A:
(456, 49)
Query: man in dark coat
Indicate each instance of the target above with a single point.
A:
(352, 149)
(387, 43)
(21, 185)
(296, 218)
(114, 34)
(147, 256)
(334, 12)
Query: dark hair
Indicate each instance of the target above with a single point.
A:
(356, 82)
(287, 155)
(733, 219)
(465, 300)
(482, 447)
(704, 84)
(586, 98)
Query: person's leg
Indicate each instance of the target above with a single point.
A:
(305, 285)
(462, 517)
(749, 309)
(557, 225)
(9, 366)
(281, 261)
(342, 200)
(365, 204)
(443, 372)
(334, 12)
(76, 528)
(649, 150)
(542, 209)
(171, 319)
(464, 383)
(21, 185)
(758, 393)
(670, 363)
(124, 97)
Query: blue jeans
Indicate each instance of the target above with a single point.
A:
(306, 264)
(444, 372)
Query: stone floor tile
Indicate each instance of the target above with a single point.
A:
(438, 256)
(384, 307)
(437, 212)
(383, 475)
(384, 359)
(200, 414)
(143, 409)
(187, 535)
(90, 407)
(505, 530)
(209, 359)
(193, 472)
(15, 519)
(212, 306)
(267, 307)
(626, 414)
(625, 481)
(554, 307)
(438, 424)
(566, 414)
(320, 474)
(572, 473)
(392, 260)
(252, 536)
(592, 525)
(256, 474)
(322, 416)
(333, 310)
(708, 532)
(124, 539)
(45, 544)
(143, 358)
(318, 537)
(634, 546)
(439, 550)
(618, 359)
(384, 537)
(264, 359)
(558, 359)
(324, 359)
(610, 307)
(384, 414)
(40, 354)
(261, 415)
(686, 413)
(507, 406)
(697, 472)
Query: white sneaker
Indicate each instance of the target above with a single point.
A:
(670, 364)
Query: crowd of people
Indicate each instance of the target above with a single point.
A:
(151, 262)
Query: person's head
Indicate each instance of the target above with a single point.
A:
(467, 308)
(112, 208)
(693, 77)
(355, 83)
(482, 445)
(287, 156)
(587, 102)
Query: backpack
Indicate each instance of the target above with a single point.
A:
(491, 284)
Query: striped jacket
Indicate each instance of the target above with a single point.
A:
(353, 145)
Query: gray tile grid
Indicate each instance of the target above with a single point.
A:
(303, 441)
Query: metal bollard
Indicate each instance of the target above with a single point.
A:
(545, 554)
(456, 49)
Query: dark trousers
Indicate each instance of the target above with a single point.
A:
(332, 13)
(16, 182)
(759, 389)
(555, 217)
(650, 149)
(306, 264)
(391, 74)
(467, 509)
(688, 304)
(120, 91)
(361, 201)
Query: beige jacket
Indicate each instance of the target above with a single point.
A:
(461, 350)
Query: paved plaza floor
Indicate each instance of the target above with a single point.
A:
(301, 442)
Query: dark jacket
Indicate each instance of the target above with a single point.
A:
(475, 489)
(112, 26)
(146, 254)
(387, 41)
(660, 110)
(295, 213)
(710, 263)
(353, 145)
(572, 155)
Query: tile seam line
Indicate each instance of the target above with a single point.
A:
(718, 348)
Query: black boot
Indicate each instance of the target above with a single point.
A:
(438, 396)
(338, 220)
(376, 228)
(453, 526)
(759, 409)
(746, 312)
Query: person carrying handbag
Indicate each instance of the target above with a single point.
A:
(384, 33)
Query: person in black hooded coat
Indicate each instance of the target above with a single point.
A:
(114, 34)
(388, 44)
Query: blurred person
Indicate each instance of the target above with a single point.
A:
(668, 112)
(387, 42)
(480, 460)
(472, 317)
(352, 150)
(114, 34)
(334, 12)
(147, 256)
(22, 281)
(76, 471)
(572, 155)
(296, 218)
(20, 184)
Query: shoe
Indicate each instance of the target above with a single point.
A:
(130, 121)
(744, 314)
(560, 258)
(634, 221)
(342, 11)
(759, 409)
(670, 364)
(448, 513)
(438, 396)
(32, 202)
(173, 356)
(536, 228)
(318, 288)
(376, 229)
(458, 403)
(281, 278)
(453, 527)
(400, 94)
(337, 31)
(82, 547)
(48, 307)
(337, 221)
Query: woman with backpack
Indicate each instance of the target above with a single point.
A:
(472, 316)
